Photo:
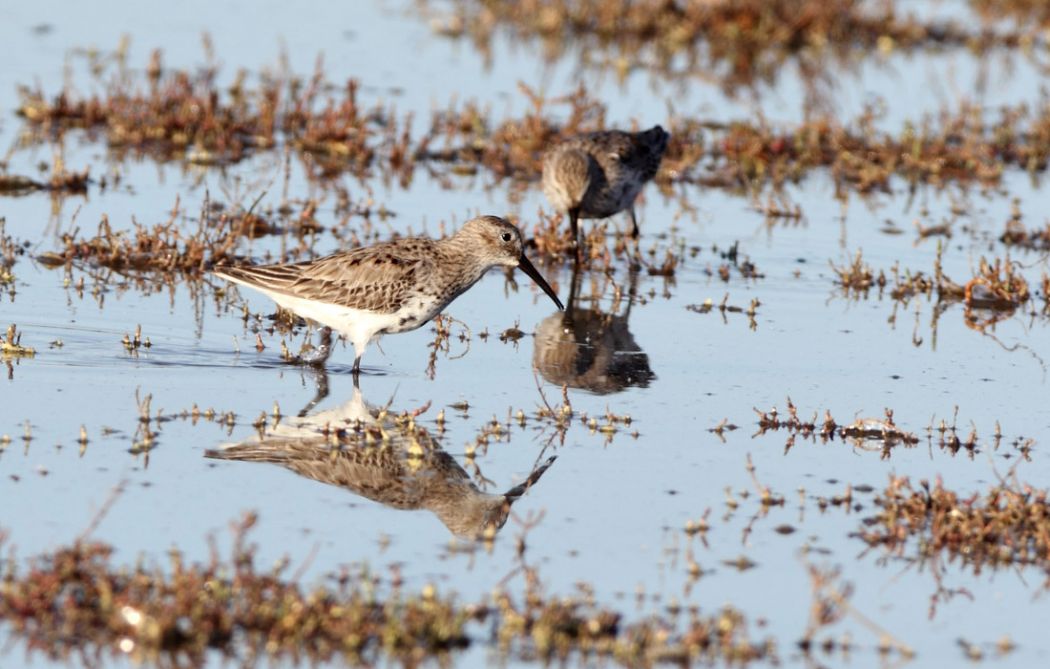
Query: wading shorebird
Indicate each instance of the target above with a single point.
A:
(598, 174)
(389, 287)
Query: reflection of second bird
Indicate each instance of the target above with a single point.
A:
(590, 348)
(390, 287)
(406, 470)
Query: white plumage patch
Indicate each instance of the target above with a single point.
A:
(359, 326)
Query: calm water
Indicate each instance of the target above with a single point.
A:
(613, 508)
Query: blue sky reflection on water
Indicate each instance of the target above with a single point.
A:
(613, 511)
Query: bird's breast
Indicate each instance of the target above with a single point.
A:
(414, 313)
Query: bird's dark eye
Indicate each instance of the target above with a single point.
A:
(505, 236)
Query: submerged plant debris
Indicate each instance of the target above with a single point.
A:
(271, 165)
(189, 116)
(881, 431)
(10, 250)
(997, 290)
(11, 344)
(75, 602)
(187, 246)
(1007, 526)
(60, 182)
(739, 43)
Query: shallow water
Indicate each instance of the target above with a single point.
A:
(614, 506)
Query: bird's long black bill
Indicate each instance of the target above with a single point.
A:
(525, 265)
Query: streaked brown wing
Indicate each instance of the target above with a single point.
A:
(606, 144)
(628, 150)
(378, 278)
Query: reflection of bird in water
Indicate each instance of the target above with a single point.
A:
(386, 458)
(590, 349)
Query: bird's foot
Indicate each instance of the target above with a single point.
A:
(633, 249)
(636, 263)
(315, 356)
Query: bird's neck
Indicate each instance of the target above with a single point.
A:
(460, 256)
(575, 171)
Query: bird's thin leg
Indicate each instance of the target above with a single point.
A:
(574, 215)
(574, 287)
(357, 368)
(632, 244)
(637, 260)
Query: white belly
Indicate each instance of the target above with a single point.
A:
(360, 326)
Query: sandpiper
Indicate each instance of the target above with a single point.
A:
(389, 287)
(598, 174)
